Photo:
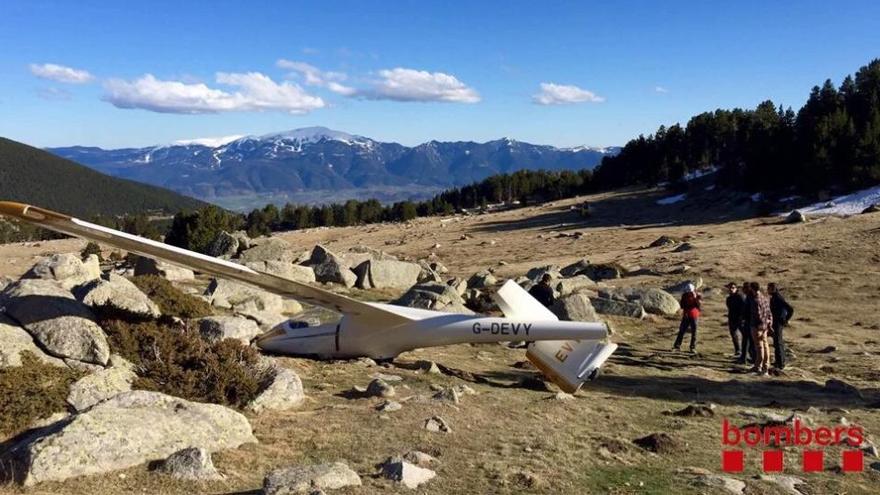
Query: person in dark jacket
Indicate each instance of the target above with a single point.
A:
(782, 313)
(543, 292)
(747, 347)
(761, 324)
(735, 305)
(690, 312)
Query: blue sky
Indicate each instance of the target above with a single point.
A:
(135, 74)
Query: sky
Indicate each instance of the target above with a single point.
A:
(131, 74)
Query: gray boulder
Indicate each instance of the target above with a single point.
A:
(214, 328)
(482, 280)
(14, 341)
(654, 301)
(270, 249)
(60, 324)
(796, 217)
(309, 478)
(285, 391)
(330, 268)
(172, 273)
(126, 430)
(575, 307)
(68, 269)
(192, 463)
(679, 288)
(380, 388)
(574, 284)
(576, 268)
(101, 385)
(618, 308)
(406, 473)
(458, 284)
(604, 271)
(262, 306)
(382, 274)
(285, 269)
(225, 244)
(434, 295)
(118, 293)
(535, 274)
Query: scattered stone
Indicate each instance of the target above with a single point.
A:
(563, 396)
(67, 269)
(382, 274)
(214, 328)
(133, 428)
(663, 241)
(436, 424)
(389, 406)
(576, 268)
(406, 473)
(101, 385)
(574, 284)
(659, 443)
(420, 459)
(575, 307)
(14, 341)
(172, 273)
(721, 484)
(482, 280)
(695, 410)
(380, 388)
(874, 208)
(795, 217)
(788, 483)
(306, 479)
(60, 324)
(434, 295)
(429, 367)
(684, 248)
(618, 308)
(285, 391)
(191, 463)
(117, 293)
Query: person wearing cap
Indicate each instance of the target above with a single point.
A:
(782, 313)
(735, 305)
(690, 312)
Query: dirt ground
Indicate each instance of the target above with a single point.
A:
(511, 439)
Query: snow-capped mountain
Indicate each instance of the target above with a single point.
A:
(317, 158)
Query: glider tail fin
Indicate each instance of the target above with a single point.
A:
(568, 363)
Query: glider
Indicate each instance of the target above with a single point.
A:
(567, 352)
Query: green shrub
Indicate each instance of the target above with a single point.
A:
(30, 392)
(171, 301)
(179, 362)
(90, 249)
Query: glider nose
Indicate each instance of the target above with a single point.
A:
(266, 340)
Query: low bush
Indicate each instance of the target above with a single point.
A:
(32, 391)
(171, 300)
(90, 249)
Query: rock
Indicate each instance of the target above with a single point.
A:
(119, 294)
(100, 386)
(172, 273)
(68, 269)
(427, 274)
(563, 396)
(262, 306)
(617, 308)
(575, 307)
(389, 406)
(380, 388)
(429, 367)
(225, 244)
(271, 249)
(60, 324)
(576, 268)
(126, 430)
(795, 217)
(658, 302)
(836, 386)
(604, 271)
(659, 443)
(285, 390)
(459, 284)
(574, 284)
(680, 287)
(406, 473)
(695, 410)
(787, 483)
(214, 328)
(420, 459)
(382, 274)
(482, 280)
(284, 269)
(436, 424)
(14, 341)
(721, 484)
(664, 240)
(434, 295)
(537, 273)
(480, 301)
(306, 479)
(191, 463)
(683, 248)
(874, 208)
(330, 268)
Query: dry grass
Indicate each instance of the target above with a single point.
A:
(32, 391)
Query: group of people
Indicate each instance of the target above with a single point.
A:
(753, 317)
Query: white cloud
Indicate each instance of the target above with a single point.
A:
(61, 73)
(314, 76)
(660, 89)
(564, 94)
(401, 84)
(256, 92)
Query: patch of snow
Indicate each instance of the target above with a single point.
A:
(851, 204)
(211, 142)
(672, 199)
(696, 174)
(314, 135)
(598, 149)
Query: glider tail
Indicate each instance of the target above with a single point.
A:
(568, 363)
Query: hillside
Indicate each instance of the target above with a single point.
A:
(31, 175)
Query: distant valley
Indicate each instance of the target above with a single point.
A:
(319, 165)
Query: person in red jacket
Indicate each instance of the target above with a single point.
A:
(690, 312)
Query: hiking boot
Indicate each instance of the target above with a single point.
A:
(676, 348)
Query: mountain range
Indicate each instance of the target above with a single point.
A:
(317, 159)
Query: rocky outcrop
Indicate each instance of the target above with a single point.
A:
(603, 271)
(101, 385)
(285, 269)
(263, 307)
(574, 284)
(575, 307)
(406, 473)
(382, 274)
(271, 249)
(679, 288)
(68, 269)
(654, 301)
(228, 244)
(117, 293)
(126, 430)
(172, 273)
(576, 268)
(482, 280)
(796, 217)
(617, 308)
(330, 268)
(535, 274)
(434, 295)
(14, 341)
(284, 391)
(214, 328)
(310, 478)
(193, 464)
(60, 324)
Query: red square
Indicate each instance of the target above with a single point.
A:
(814, 461)
(853, 461)
(773, 461)
(732, 461)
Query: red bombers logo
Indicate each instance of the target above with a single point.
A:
(773, 438)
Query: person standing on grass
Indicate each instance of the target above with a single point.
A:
(690, 312)
(735, 305)
(782, 313)
(747, 347)
(760, 324)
